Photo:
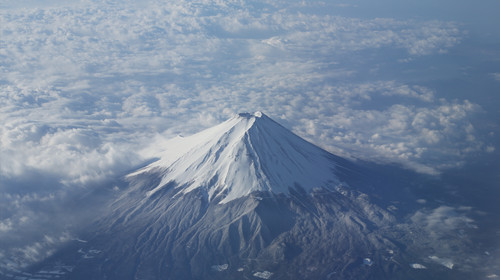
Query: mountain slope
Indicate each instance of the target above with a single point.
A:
(247, 153)
(248, 199)
(247, 195)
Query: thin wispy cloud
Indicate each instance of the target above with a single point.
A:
(496, 76)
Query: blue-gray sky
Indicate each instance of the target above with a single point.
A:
(89, 89)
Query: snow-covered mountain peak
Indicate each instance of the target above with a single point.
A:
(247, 153)
(257, 114)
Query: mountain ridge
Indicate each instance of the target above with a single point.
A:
(213, 208)
(249, 152)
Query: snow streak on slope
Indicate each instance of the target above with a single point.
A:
(247, 153)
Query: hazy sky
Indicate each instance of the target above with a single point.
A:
(89, 89)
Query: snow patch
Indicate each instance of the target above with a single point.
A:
(367, 261)
(443, 261)
(417, 266)
(392, 208)
(220, 267)
(80, 240)
(263, 274)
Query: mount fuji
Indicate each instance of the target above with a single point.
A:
(248, 199)
(247, 153)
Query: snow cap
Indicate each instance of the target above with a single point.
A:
(257, 114)
(247, 153)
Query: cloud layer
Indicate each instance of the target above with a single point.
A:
(82, 84)
(90, 89)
